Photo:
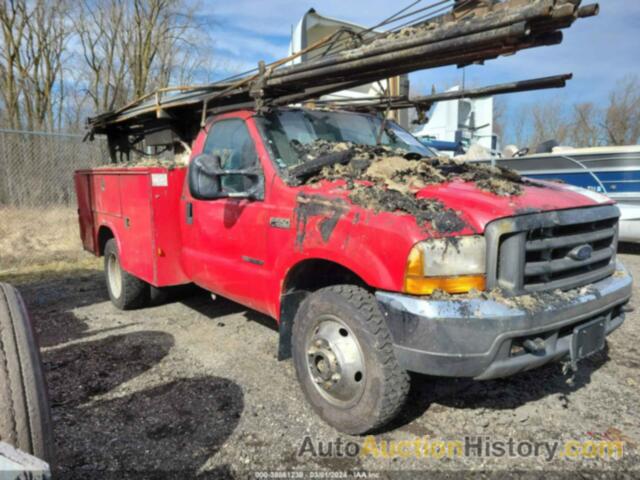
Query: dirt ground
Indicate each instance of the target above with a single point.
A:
(40, 242)
(193, 387)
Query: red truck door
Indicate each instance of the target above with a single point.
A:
(224, 240)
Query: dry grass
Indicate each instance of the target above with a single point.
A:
(37, 243)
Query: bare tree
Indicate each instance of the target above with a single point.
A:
(46, 42)
(549, 122)
(159, 35)
(14, 23)
(583, 124)
(622, 120)
(499, 116)
(34, 35)
(520, 127)
(130, 47)
(585, 128)
(102, 30)
(76, 108)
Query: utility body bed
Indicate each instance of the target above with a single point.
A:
(140, 207)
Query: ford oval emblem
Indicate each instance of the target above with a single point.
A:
(581, 252)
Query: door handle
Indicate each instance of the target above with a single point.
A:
(189, 213)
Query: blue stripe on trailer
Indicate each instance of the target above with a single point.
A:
(584, 180)
(624, 181)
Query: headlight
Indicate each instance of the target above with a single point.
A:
(454, 266)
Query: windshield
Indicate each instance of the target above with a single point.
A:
(285, 130)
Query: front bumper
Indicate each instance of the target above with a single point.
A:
(481, 338)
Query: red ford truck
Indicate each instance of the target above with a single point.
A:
(374, 257)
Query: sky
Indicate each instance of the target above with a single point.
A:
(598, 50)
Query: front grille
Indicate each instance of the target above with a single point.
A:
(547, 261)
(541, 252)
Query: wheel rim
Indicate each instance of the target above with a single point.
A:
(335, 362)
(114, 275)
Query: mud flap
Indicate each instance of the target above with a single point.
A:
(288, 309)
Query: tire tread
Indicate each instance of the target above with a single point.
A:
(8, 424)
(397, 380)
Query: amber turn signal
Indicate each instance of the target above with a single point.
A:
(427, 285)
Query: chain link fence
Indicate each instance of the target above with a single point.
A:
(36, 168)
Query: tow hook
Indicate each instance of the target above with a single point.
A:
(534, 346)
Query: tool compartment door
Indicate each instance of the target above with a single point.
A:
(135, 234)
(105, 188)
(166, 190)
(85, 211)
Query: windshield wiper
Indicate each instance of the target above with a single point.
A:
(315, 165)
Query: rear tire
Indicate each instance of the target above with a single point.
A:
(25, 420)
(344, 360)
(125, 291)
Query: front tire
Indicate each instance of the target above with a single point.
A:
(125, 291)
(344, 360)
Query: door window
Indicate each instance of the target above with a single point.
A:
(230, 140)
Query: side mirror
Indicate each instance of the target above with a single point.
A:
(206, 180)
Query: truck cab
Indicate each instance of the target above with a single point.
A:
(374, 258)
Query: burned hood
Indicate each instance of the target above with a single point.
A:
(445, 197)
(478, 207)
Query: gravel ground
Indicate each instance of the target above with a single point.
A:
(194, 387)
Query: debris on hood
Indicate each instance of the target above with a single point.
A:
(398, 169)
(426, 211)
(386, 179)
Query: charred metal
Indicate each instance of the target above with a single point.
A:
(309, 206)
